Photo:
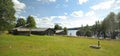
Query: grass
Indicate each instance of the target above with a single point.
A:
(11, 45)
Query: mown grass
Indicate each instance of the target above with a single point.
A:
(11, 45)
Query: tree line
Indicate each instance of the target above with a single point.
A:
(109, 27)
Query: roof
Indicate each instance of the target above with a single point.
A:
(40, 29)
(27, 29)
(22, 29)
(58, 31)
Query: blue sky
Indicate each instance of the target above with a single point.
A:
(67, 13)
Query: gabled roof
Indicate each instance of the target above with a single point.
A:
(58, 31)
(22, 29)
(40, 29)
(34, 29)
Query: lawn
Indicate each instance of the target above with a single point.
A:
(36, 45)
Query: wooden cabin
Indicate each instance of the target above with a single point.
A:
(42, 31)
(37, 31)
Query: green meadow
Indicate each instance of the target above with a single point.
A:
(35, 45)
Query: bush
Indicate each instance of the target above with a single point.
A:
(80, 33)
(89, 33)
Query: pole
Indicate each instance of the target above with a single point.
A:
(29, 32)
(98, 43)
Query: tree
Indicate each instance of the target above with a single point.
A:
(88, 33)
(30, 22)
(83, 31)
(20, 22)
(109, 24)
(65, 30)
(118, 21)
(97, 28)
(57, 27)
(7, 18)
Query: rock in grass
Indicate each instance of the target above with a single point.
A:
(95, 46)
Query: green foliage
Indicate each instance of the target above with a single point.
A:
(20, 22)
(31, 22)
(118, 20)
(88, 33)
(84, 31)
(57, 27)
(7, 18)
(109, 23)
(65, 30)
(81, 32)
(106, 28)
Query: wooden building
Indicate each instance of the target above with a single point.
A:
(42, 31)
(38, 31)
(60, 32)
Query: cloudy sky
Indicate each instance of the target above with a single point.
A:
(67, 13)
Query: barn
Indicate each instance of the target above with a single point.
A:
(42, 31)
(37, 31)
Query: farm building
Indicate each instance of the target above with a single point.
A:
(42, 31)
(38, 31)
(60, 32)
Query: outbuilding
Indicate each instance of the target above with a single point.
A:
(37, 31)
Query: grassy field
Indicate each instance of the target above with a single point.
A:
(34, 45)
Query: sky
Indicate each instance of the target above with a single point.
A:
(66, 13)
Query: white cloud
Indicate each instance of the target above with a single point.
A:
(77, 14)
(67, 20)
(103, 8)
(44, 22)
(22, 17)
(103, 5)
(19, 6)
(65, 13)
(46, 1)
(82, 1)
(62, 17)
(117, 5)
(90, 13)
(87, 18)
